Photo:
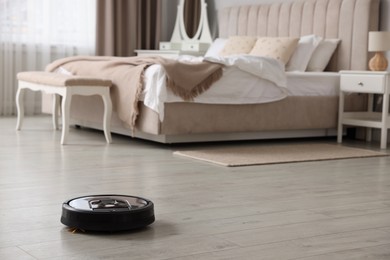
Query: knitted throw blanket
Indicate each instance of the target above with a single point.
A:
(186, 80)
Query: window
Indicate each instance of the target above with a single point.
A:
(33, 33)
(54, 22)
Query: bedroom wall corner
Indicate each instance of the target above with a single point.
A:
(385, 19)
(169, 8)
(215, 5)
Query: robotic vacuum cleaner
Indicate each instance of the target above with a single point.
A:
(107, 213)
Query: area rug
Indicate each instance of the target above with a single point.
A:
(244, 155)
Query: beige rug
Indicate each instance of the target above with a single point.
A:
(243, 155)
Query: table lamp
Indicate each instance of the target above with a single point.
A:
(378, 42)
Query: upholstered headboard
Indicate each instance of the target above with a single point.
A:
(348, 20)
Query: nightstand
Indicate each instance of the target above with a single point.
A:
(369, 82)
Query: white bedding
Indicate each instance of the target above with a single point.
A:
(246, 80)
(313, 83)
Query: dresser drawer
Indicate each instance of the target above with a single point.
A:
(363, 83)
(196, 46)
(170, 46)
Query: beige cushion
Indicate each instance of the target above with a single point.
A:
(280, 48)
(238, 45)
(57, 79)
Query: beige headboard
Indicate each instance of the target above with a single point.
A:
(348, 20)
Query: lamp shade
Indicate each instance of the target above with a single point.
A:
(378, 41)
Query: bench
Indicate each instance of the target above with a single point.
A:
(65, 86)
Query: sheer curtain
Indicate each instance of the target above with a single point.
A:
(34, 33)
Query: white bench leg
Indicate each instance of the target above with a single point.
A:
(56, 104)
(107, 115)
(20, 107)
(66, 101)
(385, 114)
(340, 119)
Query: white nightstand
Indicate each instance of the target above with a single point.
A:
(168, 53)
(371, 83)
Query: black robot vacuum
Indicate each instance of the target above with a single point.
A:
(107, 213)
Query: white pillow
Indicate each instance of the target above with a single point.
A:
(302, 54)
(322, 55)
(216, 47)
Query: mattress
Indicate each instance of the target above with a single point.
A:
(237, 86)
(313, 83)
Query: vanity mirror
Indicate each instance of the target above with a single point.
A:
(200, 40)
(191, 16)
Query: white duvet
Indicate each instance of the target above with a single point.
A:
(246, 80)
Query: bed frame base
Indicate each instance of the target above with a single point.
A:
(192, 138)
(214, 137)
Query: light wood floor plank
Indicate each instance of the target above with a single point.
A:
(368, 253)
(312, 210)
(14, 253)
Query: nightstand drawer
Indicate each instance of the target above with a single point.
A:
(363, 83)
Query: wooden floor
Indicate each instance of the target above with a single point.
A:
(316, 210)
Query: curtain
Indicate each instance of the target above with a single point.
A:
(34, 33)
(126, 25)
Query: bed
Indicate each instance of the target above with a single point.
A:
(298, 114)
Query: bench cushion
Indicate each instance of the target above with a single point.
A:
(57, 79)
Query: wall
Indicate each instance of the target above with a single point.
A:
(218, 4)
(385, 19)
(215, 5)
(169, 9)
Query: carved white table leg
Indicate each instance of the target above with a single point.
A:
(385, 118)
(20, 107)
(56, 101)
(340, 124)
(107, 115)
(66, 100)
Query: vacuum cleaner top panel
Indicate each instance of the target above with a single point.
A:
(108, 203)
